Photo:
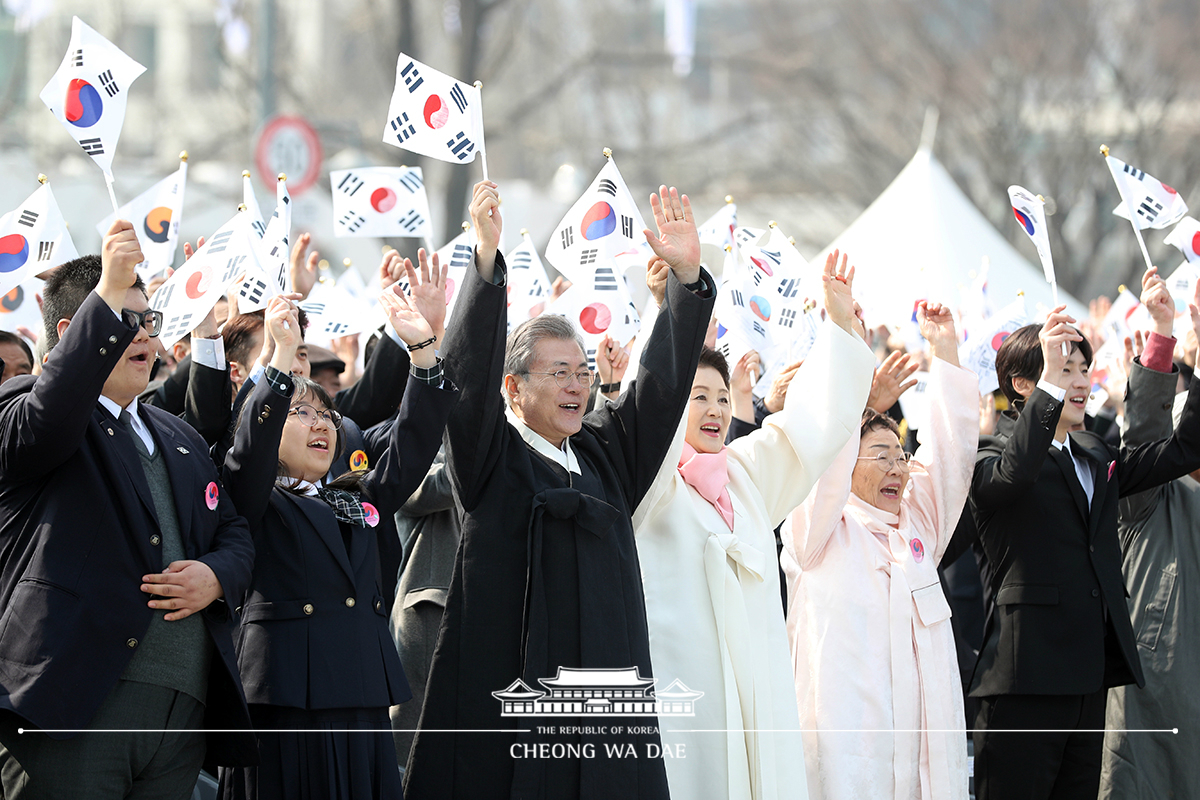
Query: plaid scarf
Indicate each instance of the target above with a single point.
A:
(346, 506)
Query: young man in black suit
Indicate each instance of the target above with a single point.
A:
(117, 551)
(1044, 499)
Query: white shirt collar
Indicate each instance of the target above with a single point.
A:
(307, 488)
(564, 456)
(139, 427)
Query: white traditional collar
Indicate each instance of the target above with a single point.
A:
(564, 456)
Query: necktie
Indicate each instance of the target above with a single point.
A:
(127, 420)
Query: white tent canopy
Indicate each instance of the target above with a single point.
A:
(922, 238)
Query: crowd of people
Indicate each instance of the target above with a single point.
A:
(216, 557)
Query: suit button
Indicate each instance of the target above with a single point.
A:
(349, 602)
(237, 610)
(155, 539)
(1092, 548)
(378, 605)
(1095, 592)
(260, 420)
(110, 433)
(308, 609)
(112, 340)
(131, 643)
(103, 351)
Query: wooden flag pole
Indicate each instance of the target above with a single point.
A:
(482, 149)
(1129, 209)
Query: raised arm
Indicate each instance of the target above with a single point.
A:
(42, 428)
(474, 356)
(639, 427)
(252, 463)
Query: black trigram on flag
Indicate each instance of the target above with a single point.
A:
(77, 58)
(110, 85)
(759, 329)
(1134, 172)
(627, 226)
(259, 228)
(789, 288)
(774, 257)
(350, 184)
(220, 242)
(313, 309)
(411, 181)
(606, 280)
(27, 218)
(725, 348)
(92, 147)
(607, 187)
(412, 78)
(758, 277)
(461, 256)
(162, 297)
(742, 235)
(336, 328)
(1149, 209)
(403, 128)
(787, 317)
(176, 327)
(588, 256)
(281, 277)
(232, 267)
(523, 259)
(352, 222)
(591, 356)
(45, 250)
(412, 221)
(460, 99)
(461, 146)
(568, 236)
(253, 290)
(735, 297)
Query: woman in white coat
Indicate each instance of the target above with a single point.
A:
(873, 652)
(707, 551)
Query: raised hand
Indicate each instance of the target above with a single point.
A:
(407, 321)
(656, 279)
(678, 242)
(189, 251)
(428, 288)
(779, 387)
(1157, 300)
(303, 272)
(891, 380)
(1055, 338)
(937, 326)
(283, 331)
(838, 282)
(391, 269)
(745, 373)
(485, 216)
(612, 360)
(119, 256)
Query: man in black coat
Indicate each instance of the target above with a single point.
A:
(546, 581)
(1044, 500)
(117, 551)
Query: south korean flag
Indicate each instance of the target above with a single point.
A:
(528, 284)
(1152, 203)
(274, 251)
(603, 223)
(33, 238)
(192, 291)
(88, 92)
(434, 114)
(380, 201)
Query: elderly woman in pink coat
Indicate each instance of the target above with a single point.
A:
(872, 650)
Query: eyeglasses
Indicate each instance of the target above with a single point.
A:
(308, 416)
(885, 462)
(563, 377)
(149, 319)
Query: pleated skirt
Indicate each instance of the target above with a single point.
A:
(327, 754)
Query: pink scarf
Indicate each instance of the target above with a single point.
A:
(707, 474)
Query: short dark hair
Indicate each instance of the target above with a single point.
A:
(239, 332)
(1021, 357)
(8, 337)
(67, 288)
(715, 359)
(872, 420)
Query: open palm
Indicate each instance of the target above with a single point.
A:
(678, 242)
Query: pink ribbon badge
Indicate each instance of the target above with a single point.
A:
(918, 550)
(1112, 467)
(372, 515)
(212, 496)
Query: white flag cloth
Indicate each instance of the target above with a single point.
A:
(334, 311)
(458, 254)
(33, 238)
(716, 238)
(603, 223)
(1126, 316)
(528, 284)
(1030, 213)
(599, 305)
(916, 401)
(380, 201)
(19, 307)
(88, 92)
(1186, 237)
(155, 214)
(743, 321)
(257, 224)
(434, 114)
(978, 353)
(274, 251)
(788, 352)
(1182, 285)
(1154, 204)
(192, 291)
